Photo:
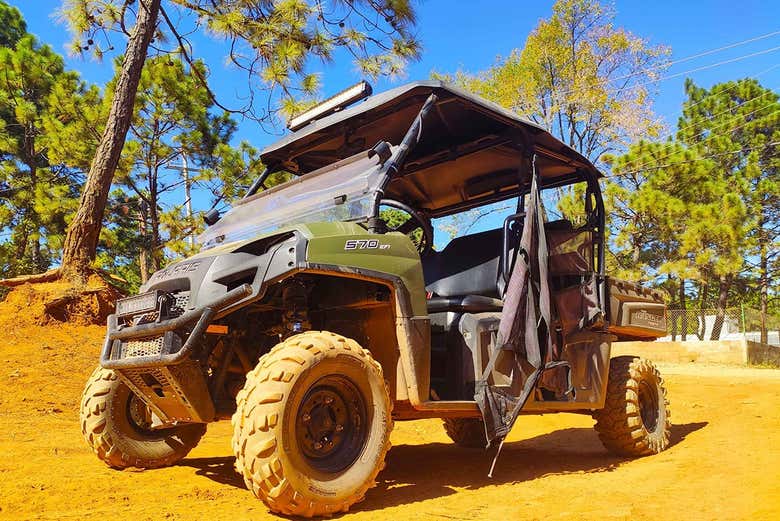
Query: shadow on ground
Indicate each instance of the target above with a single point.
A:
(420, 472)
(219, 469)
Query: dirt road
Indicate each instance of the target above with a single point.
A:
(724, 462)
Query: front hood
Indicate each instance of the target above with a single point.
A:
(212, 273)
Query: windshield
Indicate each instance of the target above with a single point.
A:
(343, 191)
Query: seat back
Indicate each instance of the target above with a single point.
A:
(468, 265)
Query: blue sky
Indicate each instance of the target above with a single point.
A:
(470, 35)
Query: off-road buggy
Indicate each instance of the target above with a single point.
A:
(315, 317)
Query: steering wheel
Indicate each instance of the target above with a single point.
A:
(414, 225)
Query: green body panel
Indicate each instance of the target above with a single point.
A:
(394, 254)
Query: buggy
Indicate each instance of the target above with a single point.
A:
(321, 310)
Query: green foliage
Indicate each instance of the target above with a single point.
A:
(43, 152)
(119, 251)
(174, 121)
(395, 219)
(12, 25)
(274, 42)
(703, 206)
(580, 77)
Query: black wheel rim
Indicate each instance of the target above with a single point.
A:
(332, 424)
(648, 405)
(139, 415)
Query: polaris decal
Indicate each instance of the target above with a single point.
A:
(177, 269)
(365, 244)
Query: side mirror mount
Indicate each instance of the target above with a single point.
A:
(211, 217)
(381, 149)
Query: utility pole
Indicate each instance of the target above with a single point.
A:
(186, 173)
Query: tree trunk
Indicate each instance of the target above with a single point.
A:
(723, 294)
(188, 199)
(683, 313)
(32, 214)
(143, 255)
(672, 318)
(154, 235)
(702, 302)
(83, 233)
(763, 281)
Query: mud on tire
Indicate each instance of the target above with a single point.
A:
(635, 418)
(312, 425)
(466, 432)
(108, 426)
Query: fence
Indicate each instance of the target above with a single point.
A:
(693, 325)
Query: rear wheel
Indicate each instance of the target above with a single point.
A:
(635, 418)
(117, 425)
(466, 432)
(312, 425)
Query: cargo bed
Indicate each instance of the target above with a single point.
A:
(634, 312)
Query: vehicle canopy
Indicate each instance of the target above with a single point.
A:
(467, 154)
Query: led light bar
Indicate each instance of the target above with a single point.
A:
(333, 104)
(143, 303)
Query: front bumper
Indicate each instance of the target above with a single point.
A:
(164, 334)
(158, 367)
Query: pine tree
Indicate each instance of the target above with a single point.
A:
(174, 120)
(702, 205)
(272, 41)
(40, 168)
(737, 125)
(12, 25)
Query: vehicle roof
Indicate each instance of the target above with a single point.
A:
(470, 152)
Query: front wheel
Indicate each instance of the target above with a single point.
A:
(635, 417)
(312, 425)
(116, 424)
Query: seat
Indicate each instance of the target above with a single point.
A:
(464, 304)
(463, 276)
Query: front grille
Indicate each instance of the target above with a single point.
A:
(142, 347)
(181, 301)
(155, 346)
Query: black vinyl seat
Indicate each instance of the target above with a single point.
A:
(464, 275)
(464, 304)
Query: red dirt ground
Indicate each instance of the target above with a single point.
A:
(724, 462)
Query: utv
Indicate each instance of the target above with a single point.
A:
(319, 310)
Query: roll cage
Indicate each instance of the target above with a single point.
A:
(443, 151)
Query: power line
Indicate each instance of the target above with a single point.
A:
(757, 75)
(712, 116)
(718, 64)
(698, 55)
(669, 146)
(701, 158)
(725, 47)
(678, 74)
(703, 67)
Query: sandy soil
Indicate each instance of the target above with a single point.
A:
(724, 462)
